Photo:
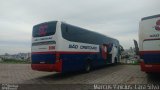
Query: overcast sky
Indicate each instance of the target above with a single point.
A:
(115, 18)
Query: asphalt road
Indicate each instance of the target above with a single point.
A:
(113, 74)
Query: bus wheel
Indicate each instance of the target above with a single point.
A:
(115, 60)
(87, 67)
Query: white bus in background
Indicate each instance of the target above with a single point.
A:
(149, 43)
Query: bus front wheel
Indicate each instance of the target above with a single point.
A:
(115, 60)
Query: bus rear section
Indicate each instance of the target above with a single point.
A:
(44, 56)
(149, 43)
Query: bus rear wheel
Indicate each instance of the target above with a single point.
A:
(87, 67)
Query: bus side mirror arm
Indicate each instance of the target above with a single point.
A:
(136, 47)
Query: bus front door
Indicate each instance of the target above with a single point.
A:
(104, 52)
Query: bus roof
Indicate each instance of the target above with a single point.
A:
(91, 31)
(150, 17)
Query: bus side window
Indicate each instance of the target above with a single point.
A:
(66, 29)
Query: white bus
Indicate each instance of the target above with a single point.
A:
(61, 47)
(149, 43)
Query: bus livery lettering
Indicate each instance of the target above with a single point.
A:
(88, 47)
(157, 27)
(73, 46)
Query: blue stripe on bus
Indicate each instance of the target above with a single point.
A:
(47, 58)
(74, 62)
(71, 62)
(151, 58)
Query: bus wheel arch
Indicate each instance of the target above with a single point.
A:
(88, 65)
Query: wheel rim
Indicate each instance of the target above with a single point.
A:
(88, 68)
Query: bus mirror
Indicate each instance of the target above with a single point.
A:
(136, 47)
(121, 48)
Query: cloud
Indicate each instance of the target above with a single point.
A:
(115, 18)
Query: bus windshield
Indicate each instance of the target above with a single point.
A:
(44, 29)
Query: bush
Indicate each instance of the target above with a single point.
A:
(135, 63)
(13, 61)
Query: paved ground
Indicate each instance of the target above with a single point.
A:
(117, 74)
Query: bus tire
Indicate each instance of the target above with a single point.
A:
(115, 60)
(88, 67)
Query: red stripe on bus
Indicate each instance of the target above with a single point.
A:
(64, 52)
(43, 52)
(149, 52)
(152, 39)
(77, 52)
(48, 67)
(149, 67)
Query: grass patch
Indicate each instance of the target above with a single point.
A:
(13, 61)
(135, 63)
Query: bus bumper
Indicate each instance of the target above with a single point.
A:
(150, 67)
(48, 67)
